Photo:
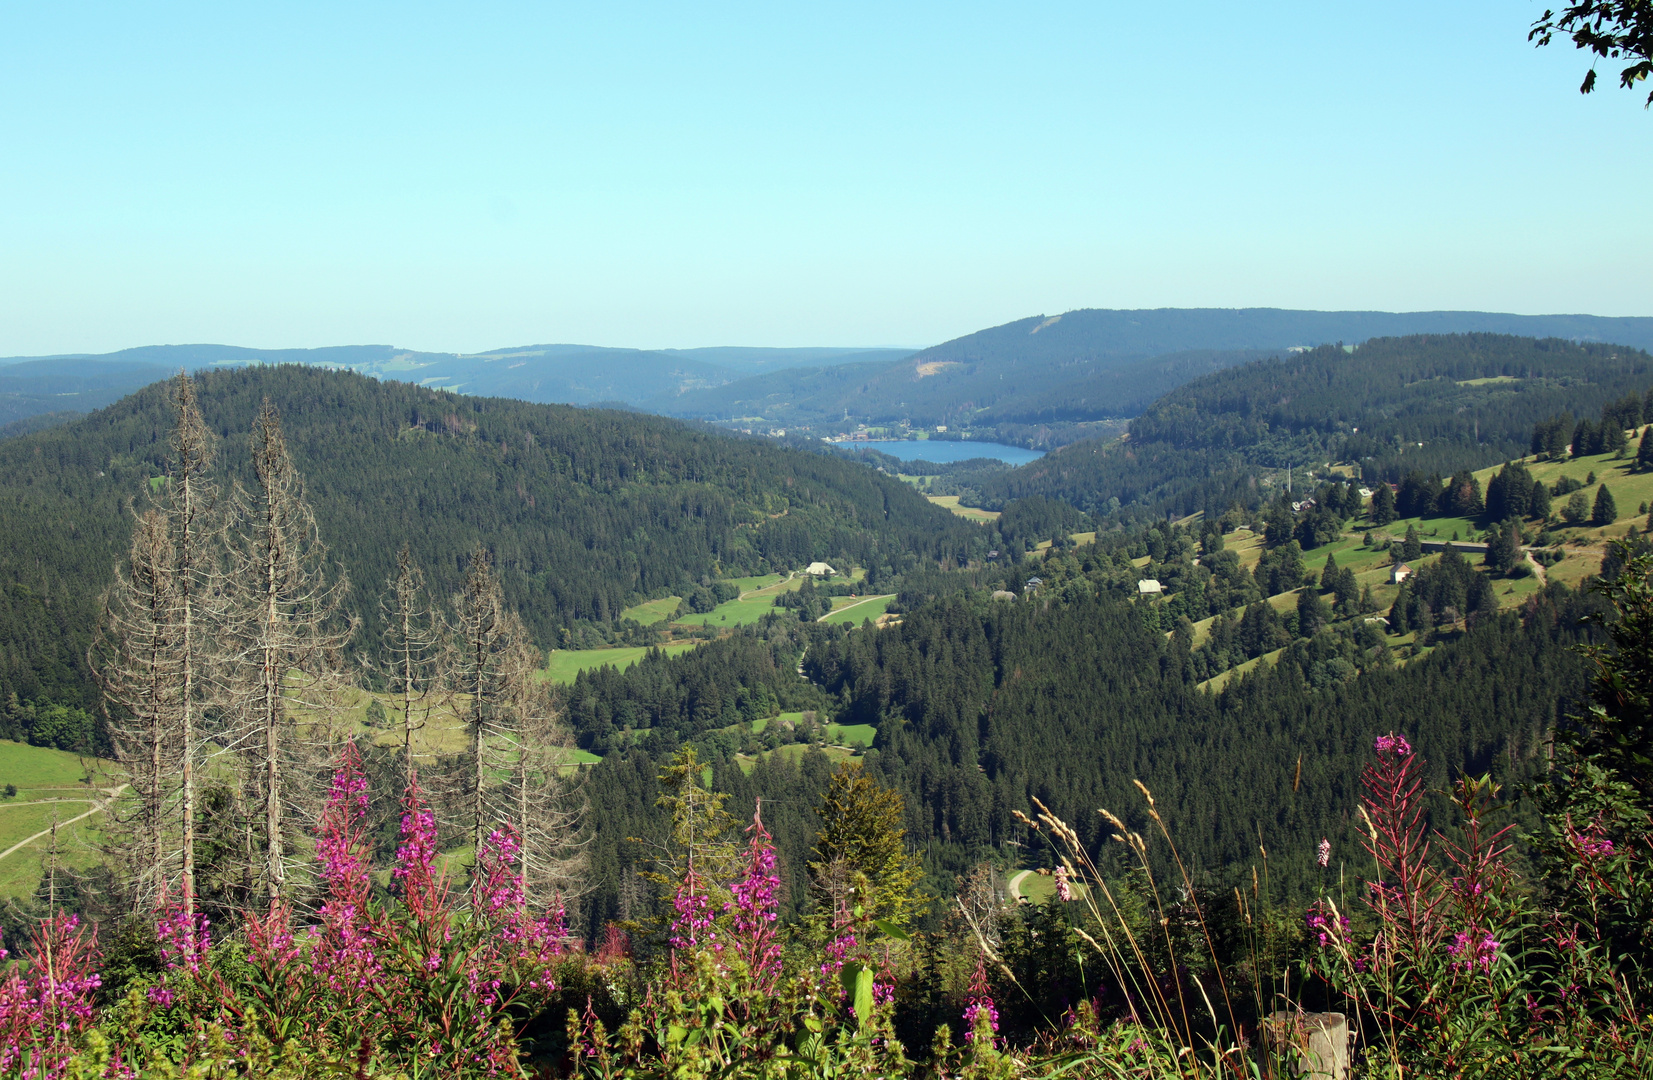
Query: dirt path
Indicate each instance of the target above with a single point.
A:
(779, 585)
(857, 604)
(1538, 569)
(98, 808)
(1015, 883)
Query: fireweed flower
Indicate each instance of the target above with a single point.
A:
(1323, 854)
(1393, 744)
(979, 1002)
(1064, 888)
(1471, 948)
(754, 907)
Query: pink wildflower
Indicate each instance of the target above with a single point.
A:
(755, 909)
(1393, 744)
(979, 1002)
(1064, 887)
(1323, 854)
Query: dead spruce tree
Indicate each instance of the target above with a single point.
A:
(289, 632)
(516, 751)
(414, 655)
(156, 655)
(137, 663)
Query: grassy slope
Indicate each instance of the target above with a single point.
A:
(653, 611)
(50, 784)
(1584, 545)
(566, 663)
(969, 513)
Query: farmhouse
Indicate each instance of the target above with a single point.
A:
(1149, 587)
(1003, 594)
(820, 569)
(1399, 573)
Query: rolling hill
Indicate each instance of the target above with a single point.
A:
(1087, 365)
(1431, 403)
(587, 511)
(563, 374)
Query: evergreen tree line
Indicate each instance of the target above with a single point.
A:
(1435, 403)
(583, 511)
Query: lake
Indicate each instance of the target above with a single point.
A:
(944, 452)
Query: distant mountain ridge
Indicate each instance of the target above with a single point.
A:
(1092, 364)
(544, 374)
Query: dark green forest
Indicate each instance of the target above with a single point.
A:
(1392, 406)
(982, 707)
(585, 511)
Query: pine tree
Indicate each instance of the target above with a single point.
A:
(1329, 575)
(1606, 511)
(861, 847)
(1644, 452)
(1412, 547)
(1503, 551)
(1383, 505)
(1538, 502)
(288, 628)
(1576, 510)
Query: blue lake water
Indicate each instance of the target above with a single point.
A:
(943, 452)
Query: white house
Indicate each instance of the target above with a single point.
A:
(820, 569)
(1399, 573)
(1149, 587)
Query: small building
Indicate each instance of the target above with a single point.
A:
(819, 569)
(1033, 583)
(1399, 573)
(1003, 594)
(1149, 587)
(1365, 493)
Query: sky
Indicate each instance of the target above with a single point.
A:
(467, 177)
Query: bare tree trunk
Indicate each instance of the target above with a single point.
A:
(415, 649)
(290, 633)
(513, 735)
(135, 659)
(160, 608)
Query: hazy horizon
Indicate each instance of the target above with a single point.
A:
(652, 177)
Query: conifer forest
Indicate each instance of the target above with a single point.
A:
(1113, 693)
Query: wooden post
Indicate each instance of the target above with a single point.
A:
(1317, 1044)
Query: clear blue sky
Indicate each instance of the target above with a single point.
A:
(469, 176)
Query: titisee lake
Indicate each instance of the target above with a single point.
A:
(943, 452)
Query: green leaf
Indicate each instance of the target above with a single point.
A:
(857, 980)
(813, 1023)
(892, 930)
(675, 1033)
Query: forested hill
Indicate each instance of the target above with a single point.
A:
(1091, 364)
(1435, 403)
(586, 511)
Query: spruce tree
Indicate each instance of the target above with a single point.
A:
(1412, 547)
(1383, 505)
(1644, 452)
(1538, 503)
(861, 847)
(415, 657)
(1329, 576)
(289, 629)
(1606, 511)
